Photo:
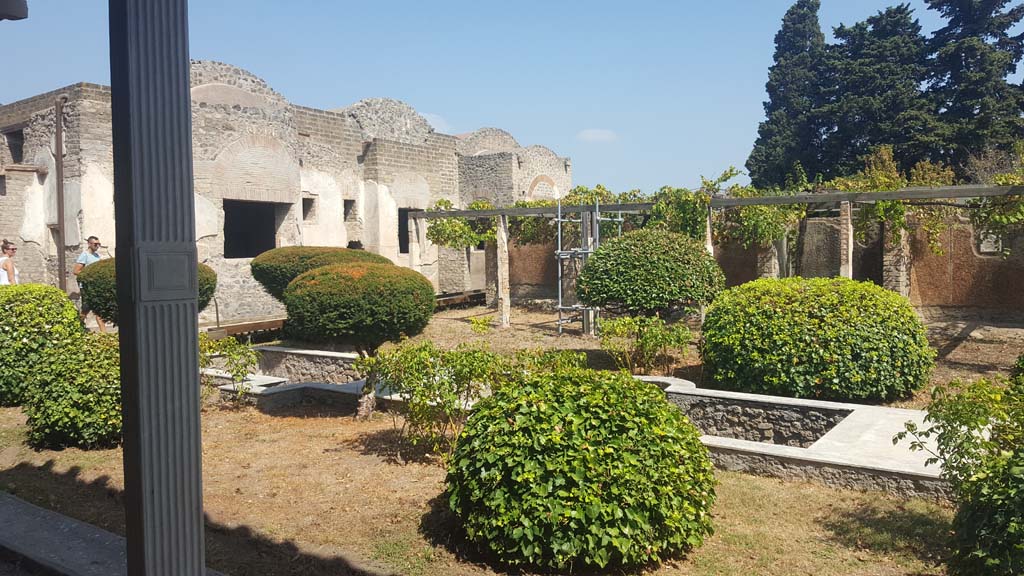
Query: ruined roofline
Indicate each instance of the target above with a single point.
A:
(71, 90)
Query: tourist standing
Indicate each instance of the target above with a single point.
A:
(90, 255)
(8, 272)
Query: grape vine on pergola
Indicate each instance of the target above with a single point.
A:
(921, 196)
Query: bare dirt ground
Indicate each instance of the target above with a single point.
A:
(313, 491)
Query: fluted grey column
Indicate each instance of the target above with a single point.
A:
(156, 273)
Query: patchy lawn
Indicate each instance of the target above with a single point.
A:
(312, 491)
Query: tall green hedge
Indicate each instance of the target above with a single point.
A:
(579, 469)
(77, 398)
(274, 269)
(363, 305)
(649, 271)
(33, 319)
(98, 282)
(827, 338)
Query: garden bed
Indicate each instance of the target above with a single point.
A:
(309, 490)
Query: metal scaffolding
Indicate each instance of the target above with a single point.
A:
(589, 222)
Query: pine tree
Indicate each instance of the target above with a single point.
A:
(874, 95)
(972, 55)
(789, 133)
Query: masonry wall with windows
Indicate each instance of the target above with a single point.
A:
(267, 173)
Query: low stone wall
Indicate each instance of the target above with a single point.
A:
(788, 425)
(897, 483)
(298, 365)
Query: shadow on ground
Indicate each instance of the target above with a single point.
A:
(900, 530)
(237, 551)
(391, 446)
(440, 528)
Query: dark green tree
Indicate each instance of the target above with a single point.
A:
(874, 96)
(790, 132)
(972, 55)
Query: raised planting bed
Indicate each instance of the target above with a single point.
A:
(304, 365)
(840, 444)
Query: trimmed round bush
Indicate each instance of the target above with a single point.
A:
(362, 305)
(580, 468)
(98, 282)
(33, 319)
(826, 338)
(649, 271)
(276, 268)
(78, 395)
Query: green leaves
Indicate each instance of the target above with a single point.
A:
(826, 338)
(276, 268)
(98, 282)
(36, 318)
(461, 232)
(359, 304)
(638, 343)
(575, 468)
(978, 432)
(76, 398)
(649, 271)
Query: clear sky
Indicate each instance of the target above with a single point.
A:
(639, 94)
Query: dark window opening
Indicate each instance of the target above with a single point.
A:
(350, 210)
(250, 228)
(15, 145)
(403, 230)
(308, 209)
(482, 245)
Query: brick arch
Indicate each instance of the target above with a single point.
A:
(256, 167)
(542, 179)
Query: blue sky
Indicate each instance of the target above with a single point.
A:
(639, 94)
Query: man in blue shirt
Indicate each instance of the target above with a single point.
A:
(89, 256)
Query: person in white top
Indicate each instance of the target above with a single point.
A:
(8, 272)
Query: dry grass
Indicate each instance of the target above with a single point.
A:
(312, 491)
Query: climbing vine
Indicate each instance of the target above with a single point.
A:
(460, 232)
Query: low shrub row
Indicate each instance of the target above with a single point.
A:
(67, 379)
(98, 283)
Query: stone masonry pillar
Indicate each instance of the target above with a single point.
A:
(846, 240)
(896, 262)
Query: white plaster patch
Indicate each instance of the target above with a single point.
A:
(33, 226)
(97, 202)
(329, 229)
(207, 218)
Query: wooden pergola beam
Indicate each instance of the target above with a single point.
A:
(832, 197)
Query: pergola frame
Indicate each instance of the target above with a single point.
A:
(844, 200)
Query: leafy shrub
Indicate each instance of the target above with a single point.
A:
(828, 338)
(77, 401)
(237, 359)
(436, 387)
(581, 468)
(274, 269)
(650, 271)
(637, 343)
(979, 434)
(480, 324)
(35, 318)
(1018, 368)
(98, 282)
(362, 305)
